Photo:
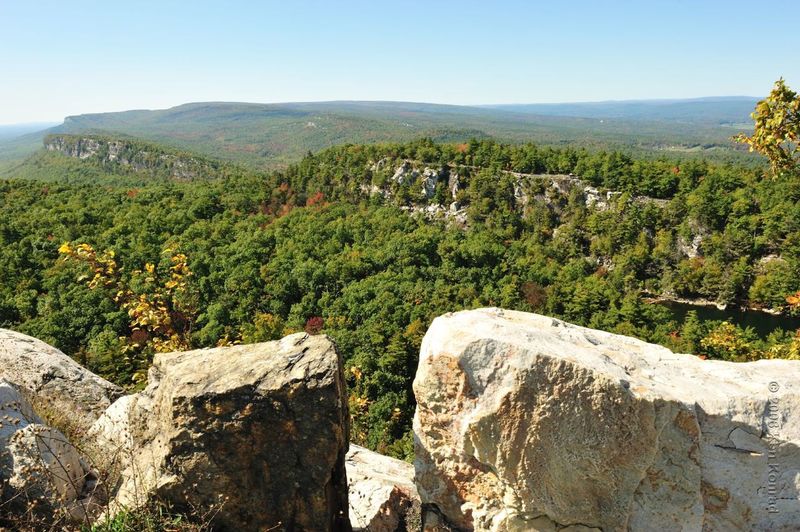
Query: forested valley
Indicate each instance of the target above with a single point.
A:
(111, 262)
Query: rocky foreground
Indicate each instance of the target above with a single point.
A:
(523, 423)
(528, 423)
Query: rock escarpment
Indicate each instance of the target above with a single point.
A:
(257, 432)
(51, 377)
(527, 423)
(134, 155)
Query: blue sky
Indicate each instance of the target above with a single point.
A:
(62, 58)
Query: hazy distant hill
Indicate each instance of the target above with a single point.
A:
(267, 135)
(729, 110)
(17, 141)
(17, 130)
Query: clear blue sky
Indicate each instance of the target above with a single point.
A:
(68, 57)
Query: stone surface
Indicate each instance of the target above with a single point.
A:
(382, 494)
(38, 465)
(430, 178)
(138, 156)
(527, 423)
(258, 432)
(53, 378)
(109, 443)
(453, 185)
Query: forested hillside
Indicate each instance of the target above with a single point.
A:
(369, 242)
(275, 135)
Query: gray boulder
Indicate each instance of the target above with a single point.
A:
(255, 434)
(383, 497)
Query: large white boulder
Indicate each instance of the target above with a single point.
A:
(382, 494)
(54, 379)
(525, 422)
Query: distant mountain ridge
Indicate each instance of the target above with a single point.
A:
(9, 131)
(713, 109)
(274, 135)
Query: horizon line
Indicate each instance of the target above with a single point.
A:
(308, 102)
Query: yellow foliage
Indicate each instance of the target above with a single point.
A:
(152, 314)
(727, 342)
(788, 351)
(335, 322)
(777, 128)
(359, 407)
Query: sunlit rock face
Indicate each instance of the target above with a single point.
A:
(257, 433)
(54, 379)
(382, 494)
(525, 422)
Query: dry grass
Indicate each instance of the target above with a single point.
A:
(37, 508)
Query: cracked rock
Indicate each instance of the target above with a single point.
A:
(383, 497)
(255, 434)
(524, 422)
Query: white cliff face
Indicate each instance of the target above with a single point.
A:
(453, 185)
(82, 148)
(124, 154)
(527, 423)
(430, 178)
(405, 173)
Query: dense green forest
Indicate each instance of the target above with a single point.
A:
(109, 262)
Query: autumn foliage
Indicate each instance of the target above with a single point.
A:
(777, 128)
(160, 316)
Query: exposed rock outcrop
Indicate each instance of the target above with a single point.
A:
(453, 185)
(53, 378)
(690, 249)
(430, 178)
(43, 477)
(258, 432)
(136, 155)
(405, 173)
(439, 212)
(383, 497)
(527, 423)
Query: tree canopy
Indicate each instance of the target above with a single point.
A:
(111, 265)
